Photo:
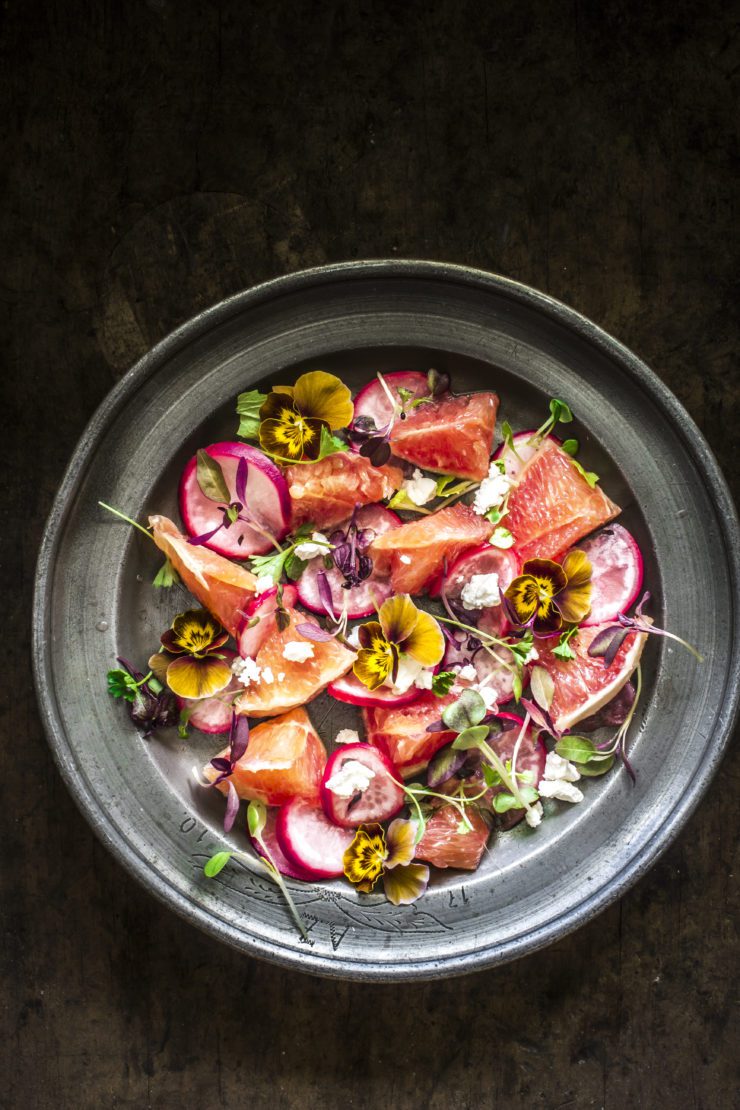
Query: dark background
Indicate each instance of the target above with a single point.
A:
(161, 155)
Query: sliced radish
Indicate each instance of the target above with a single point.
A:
(349, 689)
(524, 450)
(491, 670)
(276, 854)
(380, 796)
(373, 400)
(267, 502)
(360, 600)
(483, 560)
(213, 715)
(616, 572)
(531, 757)
(310, 841)
(250, 638)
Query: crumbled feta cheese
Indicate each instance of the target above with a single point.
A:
(309, 549)
(560, 789)
(424, 680)
(353, 636)
(491, 491)
(247, 671)
(347, 736)
(281, 676)
(419, 489)
(263, 584)
(268, 676)
(297, 652)
(533, 655)
(481, 592)
(350, 778)
(407, 673)
(533, 815)
(468, 673)
(490, 697)
(405, 559)
(558, 768)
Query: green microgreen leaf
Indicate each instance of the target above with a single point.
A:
(248, 407)
(502, 537)
(294, 567)
(166, 576)
(598, 766)
(232, 513)
(570, 446)
(542, 686)
(256, 818)
(210, 478)
(182, 724)
(330, 444)
(468, 710)
(504, 801)
(471, 737)
(490, 777)
(517, 686)
(122, 685)
(577, 749)
(216, 864)
(560, 412)
(497, 513)
(564, 650)
(589, 475)
(443, 682)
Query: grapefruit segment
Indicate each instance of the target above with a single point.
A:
(373, 401)
(285, 759)
(301, 681)
(221, 586)
(443, 845)
(401, 731)
(452, 435)
(414, 554)
(327, 491)
(583, 685)
(552, 506)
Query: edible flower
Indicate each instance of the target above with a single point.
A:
(190, 664)
(293, 416)
(546, 594)
(401, 629)
(373, 853)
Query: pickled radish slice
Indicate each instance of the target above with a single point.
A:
(616, 572)
(349, 689)
(514, 463)
(373, 400)
(310, 841)
(378, 799)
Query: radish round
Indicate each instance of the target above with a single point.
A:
(481, 561)
(379, 800)
(276, 854)
(349, 689)
(616, 572)
(531, 757)
(360, 600)
(267, 502)
(525, 451)
(310, 841)
(213, 715)
(491, 670)
(373, 401)
(250, 640)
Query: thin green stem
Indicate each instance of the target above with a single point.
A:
(128, 520)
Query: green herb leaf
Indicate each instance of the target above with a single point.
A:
(442, 683)
(294, 567)
(401, 500)
(542, 686)
(598, 766)
(216, 864)
(502, 537)
(330, 444)
(577, 749)
(471, 738)
(122, 685)
(256, 818)
(517, 686)
(504, 801)
(560, 411)
(405, 395)
(589, 475)
(271, 566)
(497, 513)
(248, 407)
(564, 650)
(210, 478)
(490, 777)
(468, 710)
(570, 446)
(182, 725)
(166, 576)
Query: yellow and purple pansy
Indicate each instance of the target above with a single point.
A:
(292, 417)
(374, 852)
(401, 629)
(546, 594)
(191, 664)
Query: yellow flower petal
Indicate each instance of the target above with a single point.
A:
(574, 602)
(198, 678)
(577, 568)
(522, 593)
(196, 630)
(363, 860)
(373, 665)
(290, 437)
(323, 397)
(401, 840)
(158, 664)
(426, 644)
(405, 884)
(398, 616)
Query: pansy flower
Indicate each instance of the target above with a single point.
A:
(373, 853)
(190, 664)
(546, 594)
(401, 629)
(292, 417)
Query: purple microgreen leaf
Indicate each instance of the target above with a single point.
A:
(377, 450)
(221, 763)
(314, 632)
(540, 717)
(364, 567)
(242, 471)
(238, 736)
(365, 538)
(232, 808)
(197, 541)
(437, 726)
(602, 641)
(325, 596)
(613, 714)
(611, 652)
(444, 765)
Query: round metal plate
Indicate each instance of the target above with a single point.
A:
(94, 601)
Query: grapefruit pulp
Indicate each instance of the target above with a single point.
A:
(452, 435)
(401, 731)
(327, 491)
(414, 554)
(443, 845)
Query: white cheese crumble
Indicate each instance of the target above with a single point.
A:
(419, 489)
(281, 676)
(347, 736)
(296, 652)
(353, 636)
(247, 671)
(558, 768)
(267, 676)
(424, 680)
(309, 549)
(406, 675)
(352, 776)
(405, 559)
(481, 592)
(491, 491)
(533, 815)
(263, 584)
(560, 789)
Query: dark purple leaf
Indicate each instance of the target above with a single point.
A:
(242, 471)
(221, 763)
(197, 541)
(282, 618)
(238, 736)
(602, 641)
(437, 726)
(325, 596)
(314, 632)
(232, 808)
(342, 556)
(362, 428)
(444, 765)
(539, 716)
(377, 450)
(364, 567)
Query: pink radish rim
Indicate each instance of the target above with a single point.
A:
(282, 817)
(388, 766)
(639, 563)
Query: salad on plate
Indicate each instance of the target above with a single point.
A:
(477, 603)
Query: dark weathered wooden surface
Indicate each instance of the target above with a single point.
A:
(159, 156)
